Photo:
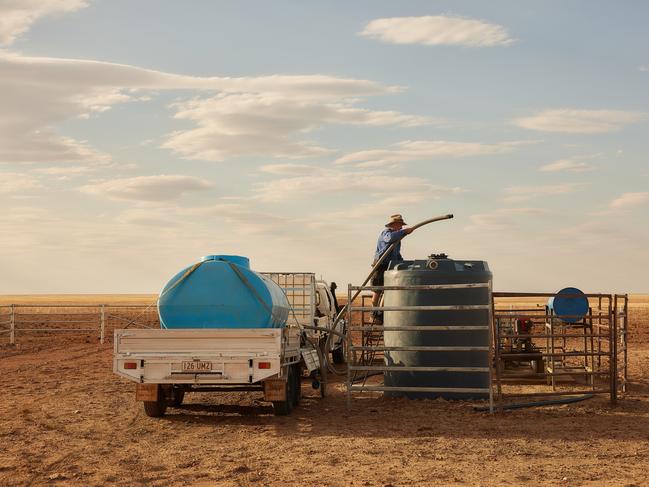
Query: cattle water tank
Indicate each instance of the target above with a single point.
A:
(221, 291)
(438, 271)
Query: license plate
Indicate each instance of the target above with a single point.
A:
(197, 366)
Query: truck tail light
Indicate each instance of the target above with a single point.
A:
(263, 365)
(130, 365)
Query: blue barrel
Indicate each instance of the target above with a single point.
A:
(570, 305)
(221, 291)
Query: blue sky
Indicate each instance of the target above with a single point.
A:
(137, 136)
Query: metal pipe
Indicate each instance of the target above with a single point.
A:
(456, 307)
(547, 336)
(12, 326)
(558, 393)
(344, 310)
(417, 328)
(550, 402)
(467, 390)
(491, 347)
(398, 368)
(384, 256)
(102, 324)
(417, 287)
(382, 348)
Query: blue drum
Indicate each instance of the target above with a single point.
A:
(570, 305)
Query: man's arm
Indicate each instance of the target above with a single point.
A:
(391, 237)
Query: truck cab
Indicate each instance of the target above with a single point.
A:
(326, 310)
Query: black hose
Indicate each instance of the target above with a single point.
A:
(549, 402)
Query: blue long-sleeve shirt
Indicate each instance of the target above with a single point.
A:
(386, 238)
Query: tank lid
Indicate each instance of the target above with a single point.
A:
(235, 259)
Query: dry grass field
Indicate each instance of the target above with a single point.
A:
(70, 299)
(66, 419)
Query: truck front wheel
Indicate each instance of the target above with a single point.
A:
(178, 396)
(338, 355)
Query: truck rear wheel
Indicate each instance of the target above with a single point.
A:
(157, 408)
(284, 408)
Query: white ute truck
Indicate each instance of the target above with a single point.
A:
(166, 364)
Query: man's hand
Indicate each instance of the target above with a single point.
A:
(408, 230)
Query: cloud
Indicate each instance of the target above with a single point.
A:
(322, 181)
(267, 124)
(570, 120)
(12, 182)
(147, 188)
(629, 200)
(437, 30)
(424, 149)
(17, 16)
(567, 165)
(514, 194)
(249, 115)
(239, 217)
(63, 171)
(289, 169)
(501, 219)
(643, 68)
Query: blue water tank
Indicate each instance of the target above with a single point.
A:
(569, 305)
(221, 291)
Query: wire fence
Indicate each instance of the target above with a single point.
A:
(20, 320)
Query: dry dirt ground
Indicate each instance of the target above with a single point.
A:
(66, 419)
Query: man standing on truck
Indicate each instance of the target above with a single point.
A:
(393, 232)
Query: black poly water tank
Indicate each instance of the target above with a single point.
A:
(441, 271)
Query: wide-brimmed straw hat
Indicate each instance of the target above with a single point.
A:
(395, 219)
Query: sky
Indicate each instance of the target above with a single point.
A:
(136, 137)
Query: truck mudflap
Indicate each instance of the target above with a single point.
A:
(275, 389)
(146, 392)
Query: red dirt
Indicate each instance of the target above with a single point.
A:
(65, 418)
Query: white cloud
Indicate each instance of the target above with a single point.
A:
(336, 181)
(239, 217)
(567, 165)
(289, 169)
(501, 219)
(147, 188)
(63, 171)
(437, 30)
(514, 194)
(17, 16)
(424, 149)
(571, 120)
(629, 200)
(643, 68)
(251, 115)
(267, 124)
(12, 182)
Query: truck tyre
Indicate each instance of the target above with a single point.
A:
(156, 409)
(338, 355)
(323, 373)
(178, 396)
(284, 408)
(297, 383)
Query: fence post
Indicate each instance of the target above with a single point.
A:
(12, 326)
(102, 323)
